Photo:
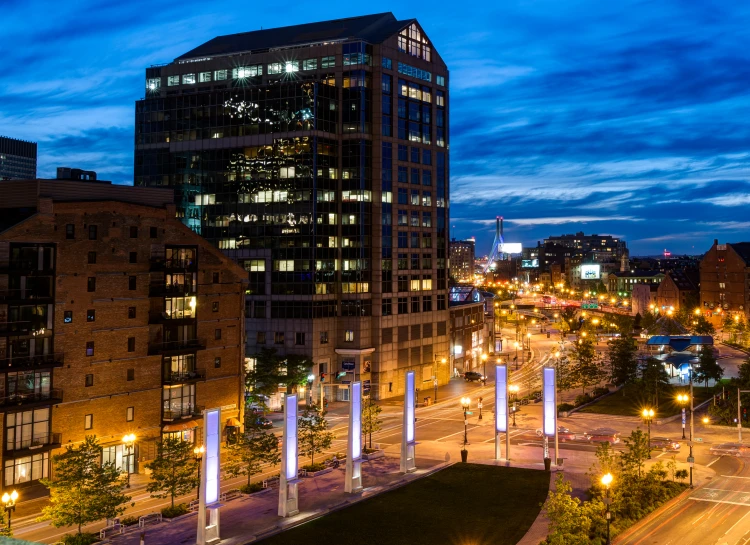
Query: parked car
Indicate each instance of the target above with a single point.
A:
(260, 421)
(730, 449)
(603, 435)
(664, 444)
(471, 376)
(563, 434)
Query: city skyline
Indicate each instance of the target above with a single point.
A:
(599, 123)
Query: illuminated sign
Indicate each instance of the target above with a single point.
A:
(529, 263)
(550, 403)
(356, 420)
(501, 398)
(290, 437)
(591, 272)
(212, 422)
(409, 406)
(511, 248)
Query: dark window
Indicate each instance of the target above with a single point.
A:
(403, 196)
(441, 302)
(426, 303)
(133, 257)
(91, 315)
(91, 286)
(217, 334)
(68, 317)
(131, 372)
(403, 175)
(70, 231)
(131, 344)
(278, 337)
(132, 282)
(133, 232)
(403, 305)
(387, 307)
(415, 304)
(441, 328)
(131, 312)
(92, 258)
(153, 232)
(217, 363)
(90, 348)
(414, 155)
(89, 380)
(92, 232)
(129, 414)
(215, 306)
(403, 152)
(426, 157)
(415, 176)
(387, 335)
(299, 339)
(260, 337)
(215, 278)
(88, 421)
(324, 337)
(403, 283)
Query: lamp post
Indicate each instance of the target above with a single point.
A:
(129, 442)
(198, 453)
(682, 399)
(606, 481)
(465, 403)
(648, 416)
(516, 345)
(513, 388)
(484, 370)
(479, 406)
(9, 502)
(434, 378)
(528, 341)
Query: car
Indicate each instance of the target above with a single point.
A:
(603, 435)
(664, 444)
(471, 376)
(260, 421)
(730, 449)
(563, 434)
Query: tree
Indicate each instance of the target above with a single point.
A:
(271, 370)
(84, 490)
(701, 326)
(654, 379)
(370, 421)
(564, 371)
(585, 372)
(570, 521)
(606, 461)
(295, 370)
(623, 360)
(173, 470)
(636, 452)
(672, 466)
(313, 436)
(708, 368)
(254, 448)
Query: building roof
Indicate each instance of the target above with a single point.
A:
(682, 342)
(370, 28)
(636, 274)
(685, 279)
(743, 250)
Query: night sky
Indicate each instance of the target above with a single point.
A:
(626, 118)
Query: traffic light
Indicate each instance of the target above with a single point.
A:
(744, 413)
(322, 377)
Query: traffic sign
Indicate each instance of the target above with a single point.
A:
(469, 412)
(691, 460)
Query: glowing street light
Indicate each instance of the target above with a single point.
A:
(648, 416)
(198, 453)
(606, 481)
(9, 502)
(465, 403)
(129, 442)
(683, 399)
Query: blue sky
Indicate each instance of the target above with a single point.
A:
(626, 118)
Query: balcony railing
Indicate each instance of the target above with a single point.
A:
(10, 294)
(37, 441)
(159, 289)
(51, 396)
(157, 317)
(186, 411)
(23, 328)
(31, 362)
(176, 346)
(25, 266)
(161, 263)
(177, 377)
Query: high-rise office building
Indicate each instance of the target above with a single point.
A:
(462, 259)
(17, 159)
(316, 156)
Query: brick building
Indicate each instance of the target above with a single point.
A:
(115, 319)
(725, 279)
(680, 288)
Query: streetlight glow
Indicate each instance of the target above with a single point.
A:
(607, 479)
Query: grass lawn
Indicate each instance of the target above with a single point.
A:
(462, 504)
(630, 401)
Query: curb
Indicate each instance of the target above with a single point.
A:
(652, 515)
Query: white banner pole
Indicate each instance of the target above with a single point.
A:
(353, 481)
(408, 442)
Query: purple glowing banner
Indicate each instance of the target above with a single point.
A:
(212, 424)
(409, 404)
(550, 401)
(501, 398)
(290, 437)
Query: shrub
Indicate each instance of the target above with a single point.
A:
(79, 539)
(600, 391)
(583, 398)
(564, 407)
(128, 521)
(314, 467)
(172, 512)
(681, 474)
(251, 488)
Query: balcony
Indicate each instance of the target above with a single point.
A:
(176, 318)
(23, 445)
(32, 362)
(48, 397)
(176, 347)
(19, 294)
(159, 289)
(161, 263)
(181, 377)
(27, 267)
(186, 411)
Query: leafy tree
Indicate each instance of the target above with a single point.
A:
(743, 375)
(571, 522)
(173, 470)
(271, 369)
(708, 368)
(681, 474)
(636, 452)
(254, 448)
(672, 466)
(564, 372)
(313, 435)
(607, 461)
(4, 530)
(701, 326)
(371, 422)
(84, 490)
(295, 370)
(654, 379)
(623, 360)
(585, 371)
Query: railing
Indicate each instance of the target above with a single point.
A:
(158, 317)
(53, 395)
(30, 362)
(23, 294)
(160, 263)
(37, 441)
(159, 289)
(25, 265)
(185, 344)
(176, 377)
(183, 412)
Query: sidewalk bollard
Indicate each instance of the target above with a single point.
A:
(143, 538)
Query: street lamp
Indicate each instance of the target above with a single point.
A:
(9, 502)
(682, 399)
(465, 403)
(484, 372)
(435, 377)
(648, 416)
(606, 481)
(513, 389)
(516, 345)
(129, 442)
(198, 453)
(528, 341)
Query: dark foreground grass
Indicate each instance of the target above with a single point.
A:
(630, 401)
(464, 504)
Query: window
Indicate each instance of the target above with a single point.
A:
(403, 152)
(133, 257)
(217, 334)
(133, 231)
(90, 349)
(132, 282)
(152, 84)
(426, 282)
(387, 63)
(215, 306)
(414, 283)
(217, 362)
(403, 305)
(414, 155)
(402, 217)
(131, 313)
(68, 317)
(275, 68)
(215, 278)
(440, 101)
(328, 62)
(92, 232)
(387, 307)
(278, 337)
(386, 85)
(153, 232)
(242, 72)
(441, 302)
(403, 283)
(70, 231)
(414, 72)
(291, 66)
(403, 175)
(324, 337)
(349, 335)
(403, 239)
(220, 74)
(403, 196)
(204, 77)
(260, 337)
(129, 414)
(414, 197)
(88, 380)
(188, 79)
(92, 258)
(91, 315)
(426, 198)
(415, 176)
(440, 80)
(426, 219)
(310, 64)
(131, 345)
(299, 339)
(173, 80)
(415, 304)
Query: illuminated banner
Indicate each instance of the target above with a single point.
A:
(529, 263)
(511, 247)
(355, 420)
(501, 398)
(591, 272)
(212, 425)
(409, 407)
(290, 437)
(550, 401)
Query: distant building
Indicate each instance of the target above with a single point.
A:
(623, 282)
(67, 173)
(17, 159)
(600, 247)
(724, 284)
(471, 328)
(680, 288)
(462, 259)
(568, 251)
(643, 298)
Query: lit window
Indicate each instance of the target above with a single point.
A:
(242, 72)
(387, 63)
(310, 64)
(440, 80)
(275, 68)
(153, 84)
(283, 265)
(204, 77)
(291, 66)
(255, 265)
(414, 285)
(188, 79)
(328, 62)
(220, 75)
(349, 336)
(173, 80)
